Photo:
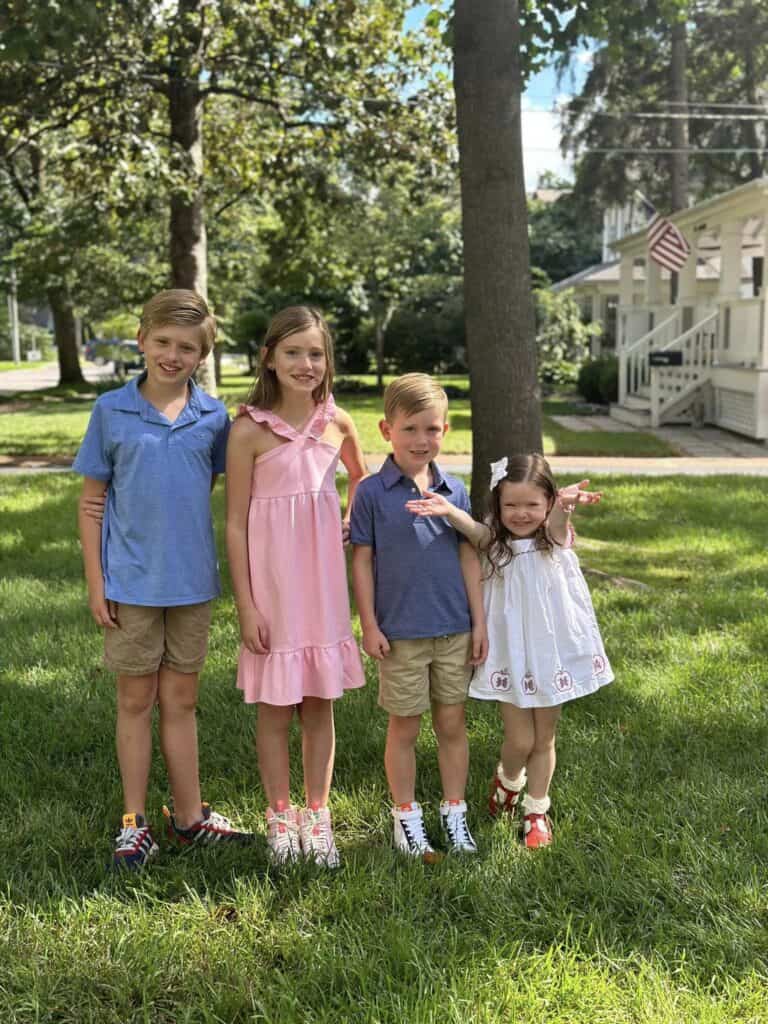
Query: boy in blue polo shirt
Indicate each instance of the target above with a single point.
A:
(418, 591)
(157, 444)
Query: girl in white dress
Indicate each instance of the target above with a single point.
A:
(544, 646)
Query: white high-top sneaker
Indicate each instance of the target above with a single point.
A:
(453, 818)
(283, 835)
(409, 834)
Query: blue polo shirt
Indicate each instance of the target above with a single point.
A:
(157, 544)
(419, 587)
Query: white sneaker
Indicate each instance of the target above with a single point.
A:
(283, 835)
(453, 817)
(409, 833)
(316, 836)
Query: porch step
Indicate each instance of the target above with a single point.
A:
(635, 417)
(637, 402)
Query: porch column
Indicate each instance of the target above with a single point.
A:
(686, 282)
(626, 294)
(653, 282)
(730, 261)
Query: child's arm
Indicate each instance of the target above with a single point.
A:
(90, 540)
(375, 644)
(241, 452)
(432, 504)
(352, 458)
(470, 570)
(559, 520)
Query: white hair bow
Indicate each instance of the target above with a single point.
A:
(498, 471)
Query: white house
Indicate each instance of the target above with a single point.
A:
(710, 340)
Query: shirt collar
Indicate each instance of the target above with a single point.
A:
(129, 399)
(391, 474)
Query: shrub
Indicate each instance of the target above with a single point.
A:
(598, 380)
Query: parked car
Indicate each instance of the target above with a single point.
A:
(127, 357)
(101, 350)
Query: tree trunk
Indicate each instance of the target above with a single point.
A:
(65, 335)
(188, 243)
(501, 343)
(380, 325)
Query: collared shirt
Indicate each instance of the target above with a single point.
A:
(419, 587)
(157, 544)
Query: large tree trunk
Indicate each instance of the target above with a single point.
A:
(65, 335)
(188, 243)
(501, 343)
(382, 318)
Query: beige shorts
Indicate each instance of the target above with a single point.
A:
(417, 672)
(147, 638)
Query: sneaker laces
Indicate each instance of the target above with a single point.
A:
(455, 823)
(412, 824)
(281, 833)
(127, 836)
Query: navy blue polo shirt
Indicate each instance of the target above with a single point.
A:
(419, 587)
(157, 544)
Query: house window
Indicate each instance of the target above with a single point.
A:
(610, 310)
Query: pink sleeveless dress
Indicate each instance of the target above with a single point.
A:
(298, 570)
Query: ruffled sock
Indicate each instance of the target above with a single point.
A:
(533, 806)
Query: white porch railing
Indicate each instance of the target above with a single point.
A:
(634, 368)
(670, 385)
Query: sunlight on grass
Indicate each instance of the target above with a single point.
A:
(650, 907)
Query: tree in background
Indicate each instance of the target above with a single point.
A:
(333, 75)
(628, 115)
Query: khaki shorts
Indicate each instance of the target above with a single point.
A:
(147, 638)
(417, 672)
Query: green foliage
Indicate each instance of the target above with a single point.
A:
(564, 236)
(562, 337)
(598, 380)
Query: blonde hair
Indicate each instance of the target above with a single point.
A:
(265, 393)
(412, 393)
(182, 307)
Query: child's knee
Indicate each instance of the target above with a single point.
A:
(136, 695)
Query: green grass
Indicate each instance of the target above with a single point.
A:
(651, 907)
(53, 423)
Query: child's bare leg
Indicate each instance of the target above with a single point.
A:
(452, 748)
(519, 738)
(318, 744)
(136, 697)
(400, 757)
(541, 763)
(177, 695)
(272, 728)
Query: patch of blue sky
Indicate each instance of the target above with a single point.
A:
(543, 94)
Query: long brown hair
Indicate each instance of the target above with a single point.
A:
(521, 469)
(265, 393)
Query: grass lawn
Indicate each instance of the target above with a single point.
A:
(53, 423)
(651, 907)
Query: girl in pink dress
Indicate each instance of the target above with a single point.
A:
(285, 543)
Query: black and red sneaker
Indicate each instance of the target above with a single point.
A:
(134, 844)
(212, 828)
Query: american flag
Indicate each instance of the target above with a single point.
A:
(666, 243)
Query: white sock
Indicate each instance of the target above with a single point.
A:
(533, 806)
(515, 784)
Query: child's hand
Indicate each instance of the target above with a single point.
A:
(103, 611)
(479, 645)
(574, 494)
(93, 506)
(429, 504)
(375, 644)
(254, 632)
(345, 532)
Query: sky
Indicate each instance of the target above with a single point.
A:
(540, 122)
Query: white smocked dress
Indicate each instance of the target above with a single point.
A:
(544, 646)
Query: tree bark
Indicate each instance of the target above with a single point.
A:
(381, 323)
(501, 343)
(188, 242)
(65, 334)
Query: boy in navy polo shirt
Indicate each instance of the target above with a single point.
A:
(418, 591)
(157, 444)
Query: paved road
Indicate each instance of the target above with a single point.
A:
(46, 375)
